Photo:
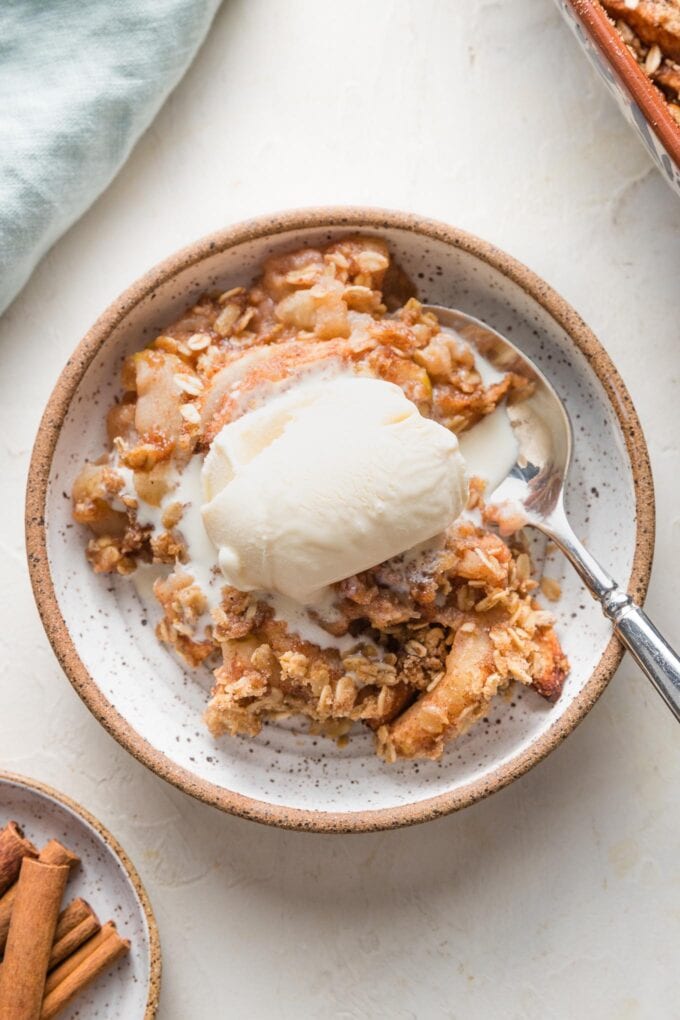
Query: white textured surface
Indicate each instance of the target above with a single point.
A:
(560, 896)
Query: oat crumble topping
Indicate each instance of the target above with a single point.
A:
(433, 640)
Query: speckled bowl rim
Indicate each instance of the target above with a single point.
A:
(351, 218)
(153, 996)
(602, 31)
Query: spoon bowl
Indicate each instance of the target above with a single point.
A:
(539, 421)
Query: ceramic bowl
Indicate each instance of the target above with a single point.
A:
(109, 882)
(640, 101)
(104, 636)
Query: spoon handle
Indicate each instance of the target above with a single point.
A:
(648, 647)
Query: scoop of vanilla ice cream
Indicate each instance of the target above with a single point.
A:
(324, 481)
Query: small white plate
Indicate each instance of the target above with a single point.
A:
(108, 881)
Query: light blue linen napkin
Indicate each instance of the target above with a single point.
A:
(80, 80)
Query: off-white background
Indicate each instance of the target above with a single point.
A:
(560, 896)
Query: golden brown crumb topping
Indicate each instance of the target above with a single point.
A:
(417, 647)
(651, 31)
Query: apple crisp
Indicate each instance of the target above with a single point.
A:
(651, 31)
(416, 647)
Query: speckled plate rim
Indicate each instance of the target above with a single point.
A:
(355, 218)
(603, 33)
(153, 996)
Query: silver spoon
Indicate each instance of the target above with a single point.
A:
(544, 438)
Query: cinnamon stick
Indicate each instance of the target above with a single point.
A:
(53, 852)
(74, 961)
(29, 942)
(13, 848)
(71, 916)
(76, 924)
(91, 965)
